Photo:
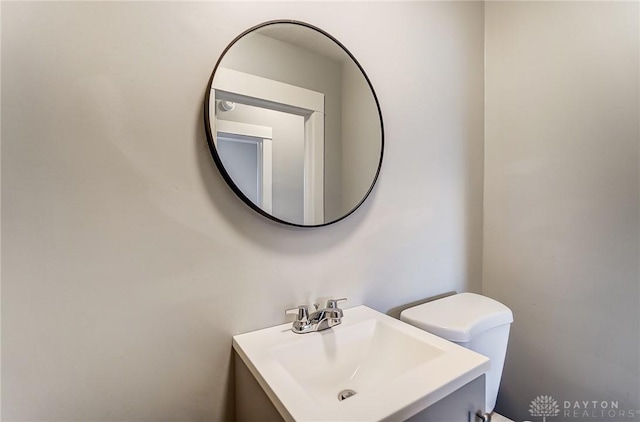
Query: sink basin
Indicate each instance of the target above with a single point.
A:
(369, 368)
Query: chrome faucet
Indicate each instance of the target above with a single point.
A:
(319, 320)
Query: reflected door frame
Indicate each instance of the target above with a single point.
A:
(261, 137)
(244, 88)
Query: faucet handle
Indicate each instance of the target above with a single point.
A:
(333, 303)
(302, 311)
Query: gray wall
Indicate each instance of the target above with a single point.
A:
(561, 215)
(128, 264)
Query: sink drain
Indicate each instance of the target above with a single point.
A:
(345, 394)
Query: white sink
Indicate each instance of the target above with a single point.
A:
(395, 369)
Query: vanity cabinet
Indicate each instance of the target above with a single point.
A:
(253, 404)
(461, 405)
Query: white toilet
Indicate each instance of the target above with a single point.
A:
(472, 321)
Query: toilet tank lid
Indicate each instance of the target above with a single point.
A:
(458, 317)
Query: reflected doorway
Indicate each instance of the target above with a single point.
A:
(246, 152)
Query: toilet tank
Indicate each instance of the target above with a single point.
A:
(473, 321)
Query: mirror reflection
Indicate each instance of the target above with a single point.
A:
(293, 124)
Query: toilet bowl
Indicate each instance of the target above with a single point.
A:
(472, 321)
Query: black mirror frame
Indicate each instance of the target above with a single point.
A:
(218, 160)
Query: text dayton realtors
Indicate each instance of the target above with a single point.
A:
(596, 409)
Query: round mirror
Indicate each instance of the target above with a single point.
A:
(293, 124)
